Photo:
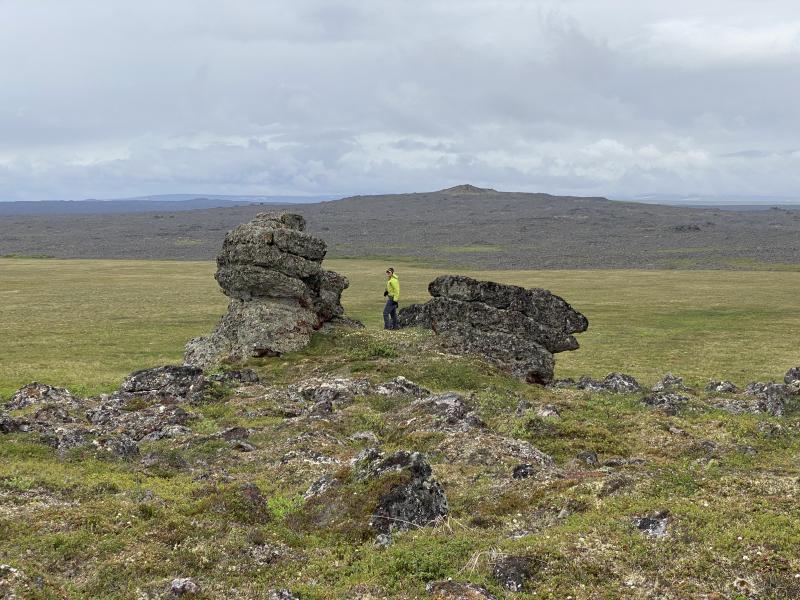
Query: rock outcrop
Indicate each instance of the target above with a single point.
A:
(516, 328)
(280, 294)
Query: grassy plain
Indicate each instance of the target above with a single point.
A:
(85, 324)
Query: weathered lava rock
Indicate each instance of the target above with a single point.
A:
(168, 383)
(40, 393)
(513, 572)
(417, 501)
(271, 270)
(516, 328)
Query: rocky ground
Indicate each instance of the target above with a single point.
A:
(463, 226)
(377, 465)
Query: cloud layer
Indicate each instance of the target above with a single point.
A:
(305, 97)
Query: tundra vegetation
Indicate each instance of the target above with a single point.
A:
(617, 496)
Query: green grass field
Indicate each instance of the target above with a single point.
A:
(86, 324)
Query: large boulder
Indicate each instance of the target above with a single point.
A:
(519, 329)
(271, 270)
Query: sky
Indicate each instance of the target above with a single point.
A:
(296, 97)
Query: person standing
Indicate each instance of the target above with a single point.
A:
(392, 295)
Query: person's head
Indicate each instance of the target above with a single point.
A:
(389, 272)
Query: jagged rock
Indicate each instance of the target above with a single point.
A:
(117, 446)
(184, 587)
(515, 328)
(669, 402)
(40, 393)
(235, 377)
(654, 525)
(621, 383)
(792, 377)
(722, 387)
(524, 471)
(450, 408)
(479, 447)
(338, 390)
(155, 422)
(67, 437)
(589, 458)
(546, 411)
(169, 383)
(12, 425)
(771, 397)
(454, 590)
(418, 501)
(271, 270)
(513, 572)
(401, 386)
(669, 383)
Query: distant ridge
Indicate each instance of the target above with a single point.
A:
(466, 188)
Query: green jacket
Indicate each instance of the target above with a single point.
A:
(393, 287)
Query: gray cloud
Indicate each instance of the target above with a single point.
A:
(275, 97)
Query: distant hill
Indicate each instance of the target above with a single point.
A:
(461, 227)
(166, 202)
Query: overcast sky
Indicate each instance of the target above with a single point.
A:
(119, 98)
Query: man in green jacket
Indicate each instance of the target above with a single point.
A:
(392, 295)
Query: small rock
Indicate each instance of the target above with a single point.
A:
(242, 446)
(513, 572)
(621, 383)
(524, 471)
(383, 540)
(40, 393)
(589, 458)
(792, 377)
(235, 377)
(420, 501)
(722, 387)
(547, 411)
(168, 383)
(365, 436)
(669, 402)
(670, 382)
(654, 525)
(184, 587)
(401, 386)
(522, 406)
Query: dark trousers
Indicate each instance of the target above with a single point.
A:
(390, 315)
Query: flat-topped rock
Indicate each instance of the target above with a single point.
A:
(519, 329)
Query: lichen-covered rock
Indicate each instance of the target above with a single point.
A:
(669, 402)
(792, 377)
(619, 383)
(170, 383)
(669, 383)
(418, 500)
(771, 397)
(184, 586)
(516, 328)
(40, 393)
(513, 572)
(271, 270)
(654, 524)
(722, 387)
